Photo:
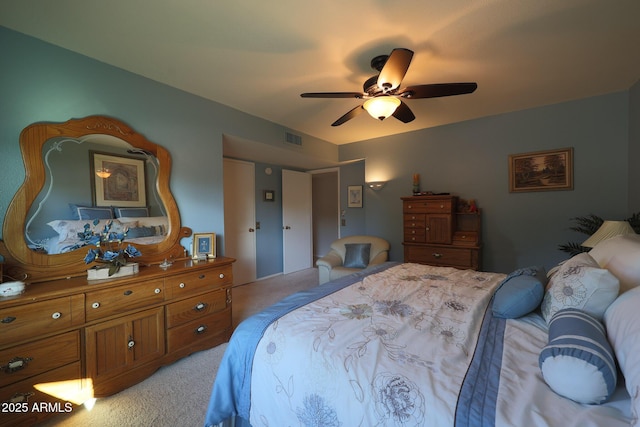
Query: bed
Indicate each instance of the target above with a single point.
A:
(418, 345)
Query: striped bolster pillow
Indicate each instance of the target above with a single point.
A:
(578, 363)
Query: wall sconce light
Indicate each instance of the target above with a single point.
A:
(381, 107)
(103, 173)
(376, 185)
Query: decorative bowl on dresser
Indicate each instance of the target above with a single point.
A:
(67, 339)
(437, 232)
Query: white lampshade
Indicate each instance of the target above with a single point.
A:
(381, 107)
(607, 230)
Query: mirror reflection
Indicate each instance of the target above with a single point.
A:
(92, 180)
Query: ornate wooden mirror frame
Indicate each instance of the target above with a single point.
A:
(20, 260)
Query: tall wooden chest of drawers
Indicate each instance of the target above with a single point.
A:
(437, 233)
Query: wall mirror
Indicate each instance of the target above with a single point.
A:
(95, 168)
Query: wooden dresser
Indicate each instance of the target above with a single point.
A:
(437, 233)
(69, 340)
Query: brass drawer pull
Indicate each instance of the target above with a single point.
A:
(16, 364)
(8, 319)
(200, 306)
(127, 293)
(436, 255)
(202, 276)
(20, 397)
(201, 329)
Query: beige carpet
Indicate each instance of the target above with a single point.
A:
(176, 395)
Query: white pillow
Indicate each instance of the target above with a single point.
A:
(149, 221)
(621, 256)
(580, 283)
(622, 320)
(68, 229)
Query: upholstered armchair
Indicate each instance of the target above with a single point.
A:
(351, 254)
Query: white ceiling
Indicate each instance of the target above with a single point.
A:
(258, 56)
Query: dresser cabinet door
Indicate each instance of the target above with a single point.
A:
(115, 346)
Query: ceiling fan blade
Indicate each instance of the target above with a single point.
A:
(437, 90)
(358, 95)
(403, 113)
(350, 115)
(394, 69)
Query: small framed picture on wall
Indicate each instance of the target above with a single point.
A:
(355, 196)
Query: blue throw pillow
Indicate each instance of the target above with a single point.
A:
(520, 293)
(357, 255)
(578, 363)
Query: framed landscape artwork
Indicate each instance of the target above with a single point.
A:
(541, 171)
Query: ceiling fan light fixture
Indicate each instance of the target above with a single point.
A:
(381, 107)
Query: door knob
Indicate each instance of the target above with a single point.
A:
(251, 230)
(286, 227)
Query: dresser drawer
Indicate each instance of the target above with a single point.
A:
(465, 238)
(437, 205)
(414, 220)
(440, 255)
(24, 395)
(196, 307)
(206, 328)
(38, 318)
(122, 299)
(415, 235)
(185, 284)
(28, 360)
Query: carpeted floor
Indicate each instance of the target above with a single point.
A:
(176, 395)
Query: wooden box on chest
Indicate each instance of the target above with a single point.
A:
(436, 232)
(101, 337)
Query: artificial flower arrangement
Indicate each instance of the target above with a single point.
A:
(108, 246)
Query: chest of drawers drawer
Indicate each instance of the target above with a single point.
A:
(434, 205)
(441, 255)
(185, 284)
(196, 307)
(41, 317)
(122, 299)
(28, 360)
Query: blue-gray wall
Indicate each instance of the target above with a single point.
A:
(41, 82)
(470, 159)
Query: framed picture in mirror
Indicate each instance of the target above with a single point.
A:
(118, 180)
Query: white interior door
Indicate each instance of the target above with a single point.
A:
(296, 220)
(240, 219)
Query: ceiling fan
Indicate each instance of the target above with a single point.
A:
(383, 93)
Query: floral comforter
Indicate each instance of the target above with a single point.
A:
(391, 349)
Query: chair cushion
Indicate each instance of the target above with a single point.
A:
(357, 255)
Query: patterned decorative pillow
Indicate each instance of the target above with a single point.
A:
(520, 293)
(578, 362)
(357, 255)
(580, 283)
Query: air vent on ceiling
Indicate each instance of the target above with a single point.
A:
(292, 138)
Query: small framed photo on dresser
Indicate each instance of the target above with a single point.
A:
(204, 246)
